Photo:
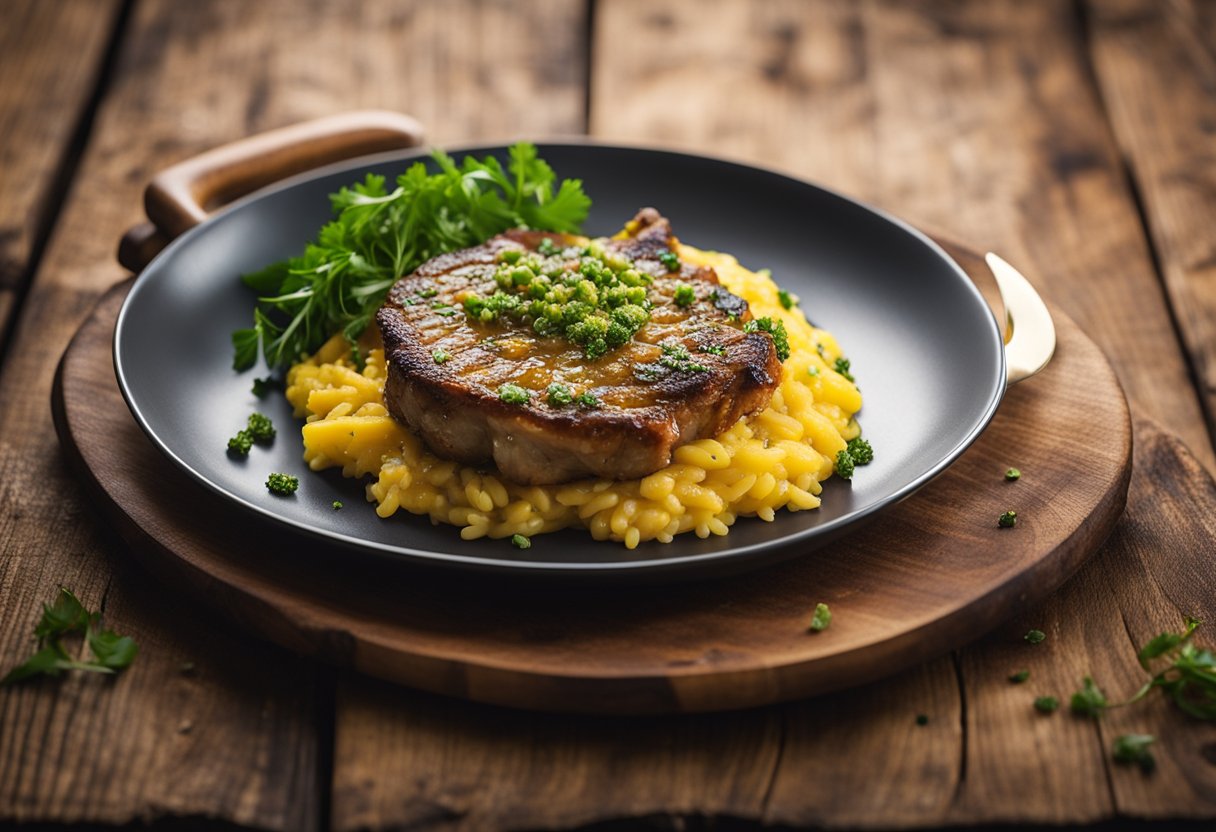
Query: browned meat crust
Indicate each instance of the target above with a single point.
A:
(646, 409)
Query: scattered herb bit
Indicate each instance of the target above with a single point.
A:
(712, 349)
(261, 386)
(559, 395)
(1132, 749)
(378, 235)
(260, 427)
(844, 465)
(776, 329)
(1189, 678)
(513, 394)
(1035, 636)
(670, 261)
(521, 542)
(922, 720)
(861, 451)
(1019, 677)
(68, 616)
(282, 484)
(842, 367)
(587, 400)
(822, 619)
(785, 298)
(1046, 704)
(440, 356)
(1008, 520)
(1089, 700)
(241, 444)
(812, 371)
(546, 247)
(676, 357)
(1012, 474)
(337, 505)
(684, 295)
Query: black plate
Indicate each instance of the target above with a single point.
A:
(925, 349)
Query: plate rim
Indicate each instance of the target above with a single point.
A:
(743, 554)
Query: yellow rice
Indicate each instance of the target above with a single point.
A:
(773, 460)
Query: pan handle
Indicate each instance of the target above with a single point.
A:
(180, 197)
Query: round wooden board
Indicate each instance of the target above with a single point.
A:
(929, 575)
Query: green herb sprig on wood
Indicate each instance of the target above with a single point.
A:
(67, 616)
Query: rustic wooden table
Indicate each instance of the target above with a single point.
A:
(1076, 138)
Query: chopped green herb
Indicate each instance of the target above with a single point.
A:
(844, 465)
(1132, 749)
(68, 616)
(785, 298)
(521, 542)
(676, 357)
(861, 451)
(378, 234)
(1019, 677)
(241, 444)
(587, 400)
(428, 293)
(812, 371)
(446, 312)
(1035, 636)
(440, 356)
(1012, 474)
(261, 386)
(337, 505)
(546, 247)
(684, 295)
(513, 394)
(1089, 700)
(822, 619)
(922, 720)
(1008, 520)
(282, 484)
(712, 349)
(781, 339)
(842, 367)
(260, 427)
(1046, 704)
(670, 261)
(559, 395)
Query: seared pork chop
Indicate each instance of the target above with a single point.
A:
(556, 359)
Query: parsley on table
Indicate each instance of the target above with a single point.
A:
(1132, 749)
(1035, 636)
(1089, 700)
(1046, 704)
(1012, 474)
(822, 619)
(377, 235)
(68, 616)
(1019, 677)
(1008, 520)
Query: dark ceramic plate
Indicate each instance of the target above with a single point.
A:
(924, 347)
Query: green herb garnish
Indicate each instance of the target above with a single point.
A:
(377, 235)
(842, 367)
(337, 504)
(546, 247)
(1008, 520)
(676, 357)
(776, 329)
(587, 400)
(1035, 636)
(861, 451)
(812, 371)
(241, 444)
(261, 386)
(1089, 700)
(1012, 474)
(1132, 749)
(1019, 677)
(712, 349)
(559, 395)
(844, 465)
(922, 720)
(785, 299)
(282, 484)
(670, 261)
(513, 394)
(521, 542)
(1046, 704)
(260, 428)
(68, 616)
(440, 356)
(822, 619)
(684, 295)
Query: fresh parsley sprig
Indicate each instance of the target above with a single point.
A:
(378, 235)
(67, 616)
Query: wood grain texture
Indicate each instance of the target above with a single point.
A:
(1156, 67)
(980, 118)
(908, 586)
(50, 59)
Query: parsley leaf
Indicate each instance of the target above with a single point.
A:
(822, 619)
(1089, 700)
(68, 616)
(1132, 749)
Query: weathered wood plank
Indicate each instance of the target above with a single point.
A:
(1156, 68)
(979, 118)
(50, 60)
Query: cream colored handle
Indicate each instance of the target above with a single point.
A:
(1030, 335)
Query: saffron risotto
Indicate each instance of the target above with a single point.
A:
(773, 460)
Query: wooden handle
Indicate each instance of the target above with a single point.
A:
(182, 196)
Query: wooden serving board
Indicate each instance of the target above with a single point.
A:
(928, 575)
